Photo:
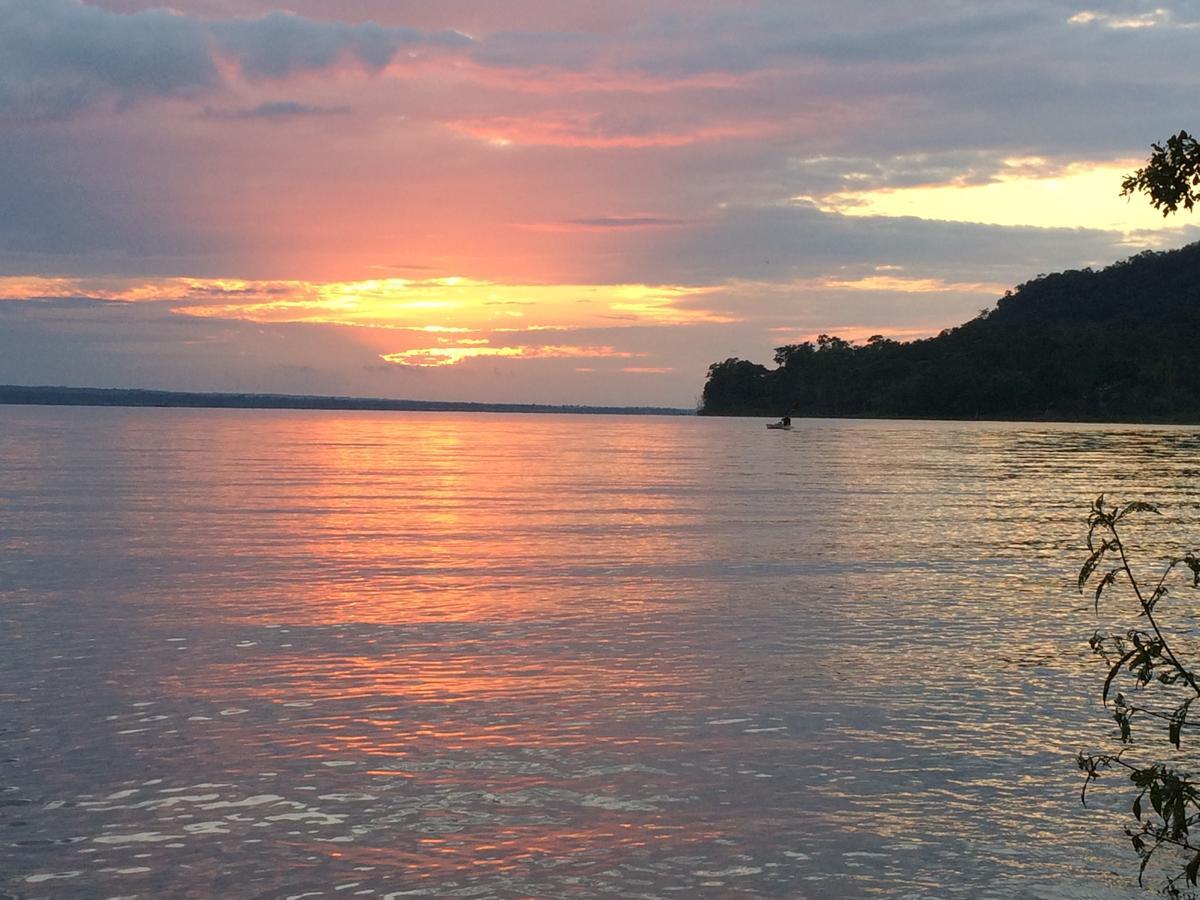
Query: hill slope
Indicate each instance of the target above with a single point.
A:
(1114, 345)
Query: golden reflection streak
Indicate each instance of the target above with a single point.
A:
(445, 546)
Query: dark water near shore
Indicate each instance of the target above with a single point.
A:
(324, 654)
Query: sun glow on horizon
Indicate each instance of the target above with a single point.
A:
(909, 285)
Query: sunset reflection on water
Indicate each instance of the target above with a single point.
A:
(266, 653)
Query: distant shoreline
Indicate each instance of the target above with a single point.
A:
(21, 395)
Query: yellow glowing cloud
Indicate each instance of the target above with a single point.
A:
(21, 287)
(902, 285)
(657, 304)
(1150, 19)
(427, 357)
(1029, 192)
(436, 305)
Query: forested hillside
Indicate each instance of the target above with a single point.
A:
(1115, 344)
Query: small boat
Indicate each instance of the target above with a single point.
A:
(779, 426)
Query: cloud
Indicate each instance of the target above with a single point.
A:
(1152, 19)
(281, 44)
(71, 341)
(276, 110)
(784, 242)
(454, 304)
(831, 174)
(88, 342)
(568, 128)
(431, 357)
(58, 57)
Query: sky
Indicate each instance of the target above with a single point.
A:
(552, 201)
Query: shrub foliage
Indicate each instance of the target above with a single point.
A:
(1151, 688)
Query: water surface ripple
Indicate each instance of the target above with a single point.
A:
(312, 654)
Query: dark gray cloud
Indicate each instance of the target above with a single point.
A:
(281, 44)
(936, 74)
(68, 341)
(792, 33)
(277, 109)
(820, 175)
(796, 241)
(58, 57)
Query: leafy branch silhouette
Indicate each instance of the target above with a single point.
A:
(1154, 685)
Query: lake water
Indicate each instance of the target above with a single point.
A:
(312, 654)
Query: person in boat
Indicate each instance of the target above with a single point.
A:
(786, 421)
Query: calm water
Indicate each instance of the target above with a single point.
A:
(292, 654)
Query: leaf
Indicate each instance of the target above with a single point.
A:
(1178, 720)
(1097, 518)
(1143, 778)
(1112, 673)
(1135, 507)
(1109, 578)
(1193, 563)
(1193, 868)
(1089, 566)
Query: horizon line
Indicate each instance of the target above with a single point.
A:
(64, 395)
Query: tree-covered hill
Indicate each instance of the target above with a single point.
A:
(1120, 344)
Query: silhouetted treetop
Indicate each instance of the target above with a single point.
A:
(1171, 175)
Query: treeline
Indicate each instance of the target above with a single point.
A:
(1120, 344)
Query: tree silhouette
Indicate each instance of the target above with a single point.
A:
(1058, 347)
(1171, 175)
